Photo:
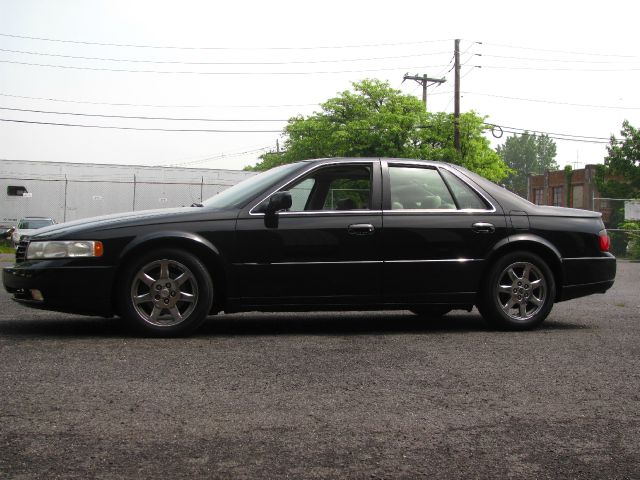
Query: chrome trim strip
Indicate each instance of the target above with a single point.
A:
(309, 170)
(588, 258)
(332, 212)
(308, 263)
(458, 260)
(388, 161)
(414, 211)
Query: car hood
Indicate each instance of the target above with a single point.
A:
(120, 220)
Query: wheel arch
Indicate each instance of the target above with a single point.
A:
(534, 244)
(204, 250)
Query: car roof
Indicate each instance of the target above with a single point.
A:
(390, 159)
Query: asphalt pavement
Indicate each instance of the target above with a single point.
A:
(326, 395)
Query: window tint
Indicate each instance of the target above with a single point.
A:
(300, 194)
(34, 224)
(464, 194)
(341, 187)
(418, 188)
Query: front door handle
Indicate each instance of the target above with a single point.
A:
(361, 229)
(482, 227)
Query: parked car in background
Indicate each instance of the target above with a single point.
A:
(6, 231)
(27, 225)
(329, 234)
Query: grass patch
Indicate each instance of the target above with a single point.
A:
(6, 247)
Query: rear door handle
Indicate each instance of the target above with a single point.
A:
(482, 227)
(361, 229)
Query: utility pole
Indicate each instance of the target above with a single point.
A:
(456, 108)
(424, 81)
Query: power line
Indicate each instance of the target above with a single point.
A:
(121, 70)
(320, 47)
(178, 62)
(49, 112)
(561, 60)
(552, 102)
(155, 105)
(562, 69)
(220, 156)
(569, 52)
(113, 127)
(514, 130)
(549, 133)
(556, 135)
(600, 142)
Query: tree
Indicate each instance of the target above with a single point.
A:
(376, 120)
(619, 177)
(622, 161)
(527, 154)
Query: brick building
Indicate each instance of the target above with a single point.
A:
(576, 190)
(559, 189)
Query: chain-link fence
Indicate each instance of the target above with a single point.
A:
(621, 216)
(65, 199)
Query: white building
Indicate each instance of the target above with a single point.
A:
(70, 191)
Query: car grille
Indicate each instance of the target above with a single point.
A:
(21, 252)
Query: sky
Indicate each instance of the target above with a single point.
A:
(567, 68)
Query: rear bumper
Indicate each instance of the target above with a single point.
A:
(64, 286)
(585, 276)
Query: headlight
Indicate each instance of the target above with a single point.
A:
(64, 249)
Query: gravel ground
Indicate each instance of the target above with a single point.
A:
(326, 395)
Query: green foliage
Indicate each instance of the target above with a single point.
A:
(568, 173)
(619, 177)
(527, 154)
(6, 247)
(622, 160)
(375, 120)
(633, 237)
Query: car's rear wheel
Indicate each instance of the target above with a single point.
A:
(519, 292)
(166, 293)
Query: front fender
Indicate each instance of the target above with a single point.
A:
(168, 236)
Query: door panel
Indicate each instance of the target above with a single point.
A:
(437, 234)
(325, 249)
(309, 256)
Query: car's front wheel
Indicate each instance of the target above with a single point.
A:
(519, 292)
(166, 293)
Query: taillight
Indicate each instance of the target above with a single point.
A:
(605, 242)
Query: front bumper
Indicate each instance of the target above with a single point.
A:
(65, 285)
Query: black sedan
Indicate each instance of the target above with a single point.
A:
(326, 234)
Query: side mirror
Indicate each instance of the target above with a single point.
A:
(277, 202)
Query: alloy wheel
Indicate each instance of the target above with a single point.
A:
(521, 290)
(164, 293)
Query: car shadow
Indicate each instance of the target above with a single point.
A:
(267, 324)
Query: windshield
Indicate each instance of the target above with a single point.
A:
(241, 193)
(34, 224)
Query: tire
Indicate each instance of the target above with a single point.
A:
(431, 311)
(165, 293)
(519, 292)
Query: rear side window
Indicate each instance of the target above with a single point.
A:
(467, 198)
(415, 188)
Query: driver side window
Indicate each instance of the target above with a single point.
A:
(336, 187)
